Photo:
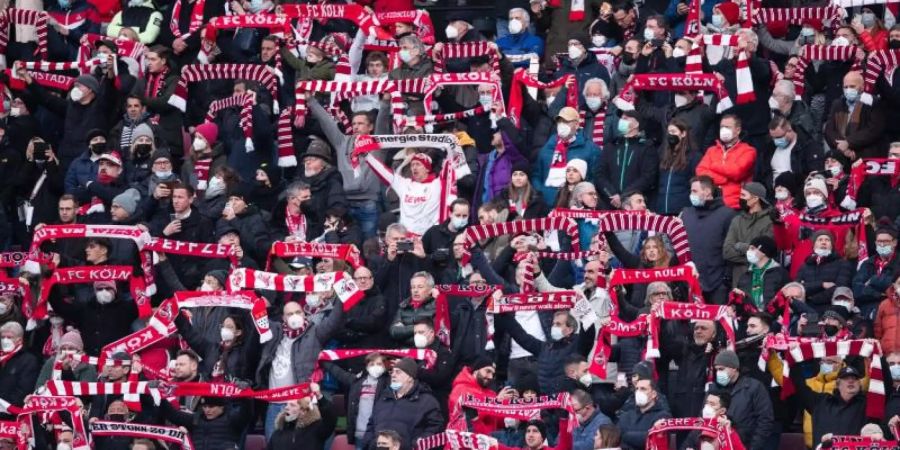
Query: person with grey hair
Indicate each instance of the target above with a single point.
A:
(516, 40)
(414, 61)
(657, 291)
(783, 102)
(18, 368)
(419, 305)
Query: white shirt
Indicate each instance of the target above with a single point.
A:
(531, 323)
(282, 372)
(781, 160)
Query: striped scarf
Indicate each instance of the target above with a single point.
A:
(810, 53)
(599, 121)
(477, 233)
(686, 311)
(201, 171)
(878, 63)
(195, 23)
(341, 282)
(346, 252)
(23, 17)
(457, 440)
(245, 102)
(522, 79)
(203, 72)
(467, 50)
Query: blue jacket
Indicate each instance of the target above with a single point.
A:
(580, 148)
(80, 172)
(674, 187)
(635, 424)
(583, 435)
(521, 44)
(585, 70)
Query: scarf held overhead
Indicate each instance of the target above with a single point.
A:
(341, 282)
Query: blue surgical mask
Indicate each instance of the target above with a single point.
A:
(459, 222)
(486, 101)
(162, 174)
(851, 94)
(808, 32)
(405, 56)
(722, 378)
(256, 6)
(696, 200)
(884, 250)
(895, 372)
(623, 126)
(64, 4)
(593, 103)
(826, 368)
(718, 20)
(781, 142)
(396, 385)
(868, 20)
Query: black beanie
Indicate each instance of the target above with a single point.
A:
(540, 425)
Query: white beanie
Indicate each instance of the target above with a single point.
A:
(580, 165)
(817, 184)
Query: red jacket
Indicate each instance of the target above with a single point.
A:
(729, 169)
(380, 6)
(464, 385)
(788, 234)
(563, 443)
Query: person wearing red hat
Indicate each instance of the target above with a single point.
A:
(420, 196)
(206, 156)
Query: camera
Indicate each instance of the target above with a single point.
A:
(404, 245)
(812, 327)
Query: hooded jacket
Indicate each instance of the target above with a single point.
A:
(464, 385)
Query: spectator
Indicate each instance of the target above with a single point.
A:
(749, 407)
(823, 272)
(17, 367)
(409, 408)
(626, 173)
(590, 419)
(765, 277)
(852, 127)
(730, 161)
(707, 222)
(364, 388)
(520, 44)
(886, 327)
(155, 89)
(875, 274)
(304, 421)
(754, 220)
(636, 420)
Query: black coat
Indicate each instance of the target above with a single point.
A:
(327, 189)
(635, 424)
(629, 164)
(17, 378)
(254, 233)
(878, 194)
(195, 228)
(288, 436)
(239, 364)
(468, 329)
(364, 324)
(440, 377)
(99, 324)
(773, 279)
(815, 271)
(830, 413)
(415, 415)
(706, 229)
(354, 391)
(687, 385)
(225, 431)
(750, 412)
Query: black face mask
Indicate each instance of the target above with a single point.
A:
(893, 44)
(98, 148)
(116, 417)
(831, 330)
(673, 140)
(744, 206)
(142, 151)
(627, 58)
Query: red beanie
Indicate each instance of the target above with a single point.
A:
(422, 158)
(209, 131)
(731, 11)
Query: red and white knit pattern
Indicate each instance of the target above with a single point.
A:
(599, 121)
(420, 19)
(23, 17)
(822, 53)
(77, 389)
(672, 82)
(878, 63)
(352, 12)
(346, 90)
(48, 66)
(341, 282)
(477, 233)
(463, 79)
(522, 78)
(133, 430)
(467, 50)
(245, 101)
(866, 348)
(744, 79)
(202, 72)
(721, 40)
(428, 121)
(457, 440)
(796, 15)
(284, 138)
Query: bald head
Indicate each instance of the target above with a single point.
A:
(854, 80)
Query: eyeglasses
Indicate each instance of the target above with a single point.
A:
(362, 278)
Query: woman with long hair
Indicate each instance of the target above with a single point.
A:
(676, 168)
(576, 172)
(653, 255)
(523, 200)
(233, 357)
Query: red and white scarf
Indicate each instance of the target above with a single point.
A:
(692, 22)
(576, 9)
(47, 80)
(861, 443)
(781, 343)
(346, 252)
(726, 437)
(277, 26)
(521, 78)
(125, 48)
(6, 356)
(296, 226)
(19, 259)
(195, 23)
(672, 82)
(90, 274)
(428, 121)
(172, 435)
(517, 408)
(245, 102)
(615, 327)
(352, 12)
(454, 50)
(866, 348)
(839, 226)
(457, 440)
(13, 16)
(21, 288)
(685, 273)
(882, 62)
(464, 79)
(422, 354)
(342, 283)
(201, 171)
(8, 429)
(797, 14)
(822, 53)
(344, 90)
(227, 390)
(203, 72)
(419, 18)
(477, 233)
(442, 309)
(672, 227)
(533, 301)
(744, 79)
(197, 249)
(599, 121)
(43, 404)
(870, 167)
(246, 300)
(686, 311)
(39, 71)
(98, 362)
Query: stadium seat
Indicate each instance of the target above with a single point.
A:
(791, 441)
(255, 442)
(340, 443)
(340, 405)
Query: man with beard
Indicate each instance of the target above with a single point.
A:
(474, 381)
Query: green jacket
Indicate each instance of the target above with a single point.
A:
(744, 228)
(83, 373)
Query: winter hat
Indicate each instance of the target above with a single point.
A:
(643, 370)
(832, 312)
(408, 366)
(527, 382)
(788, 181)
(521, 166)
(580, 165)
(839, 157)
(730, 11)
(91, 134)
(816, 184)
(424, 159)
(480, 362)
(581, 37)
(89, 81)
(105, 285)
(823, 233)
(777, 28)
(757, 190)
(727, 358)
(128, 200)
(121, 356)
(540, 425)
(208, 131)
(319, 148)
(223, 228)
(220, 275)
(885, 226)
(72, 339)
(766, 245)
(160, 153)
(842, 292)
(142, 130)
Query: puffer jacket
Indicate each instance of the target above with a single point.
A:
(887, 323)
(744, 228)
(288, 435)
(402, 326)
(729, 169)
(816, 270)
(466, 384)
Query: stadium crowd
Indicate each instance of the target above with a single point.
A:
(398, 225)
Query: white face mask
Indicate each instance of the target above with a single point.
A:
(206, 288)
(105, 297)
(510, 422)
(375, 371)
(835, 170)
(420, 340)
(227, 334)
(7, 344)
(680, 100)
(63, 446)
(76, 94)
(405, 56)
(451, 32)
(822, 252)
(752, 256)
(3, 308)
(556, 333)
(726, 134)
(846, 305)
(312, 300)
(708, 412)
(15, 111)
(649, 35)
(575, 52)
(598, 40)
(515, 26)
(459, 222)
(705, 445)
(781, 195)
(214, 188)
(294, 322)
(586, 379)
(814, 201)
(56, 320)
(199, 144)
(678, 52)
(486, 101)
(593, 103)
(641, 399)
(840, 41)
(162, 174)
(773, 104)
(563, 130)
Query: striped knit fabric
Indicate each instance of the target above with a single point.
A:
(23, 17)
(467, 50)
(477, 233)
(878, 63)
(245, 101)
(822, 53)
(202, 72)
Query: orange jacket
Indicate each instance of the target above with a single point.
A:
(887, 323)
(729, 169)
